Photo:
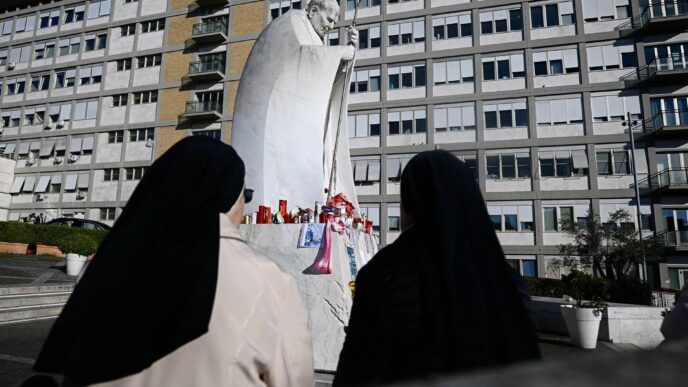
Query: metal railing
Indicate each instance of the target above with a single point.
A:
(656, 10)
(666, 119)
(207, 66)
(674, 238)
(673, 63)
(203, 107)
(209, 28)
(664, 298)
(670, 177)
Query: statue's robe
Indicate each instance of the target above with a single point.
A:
(287, 112)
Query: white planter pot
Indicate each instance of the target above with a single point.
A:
(75, 263)
(582, 324)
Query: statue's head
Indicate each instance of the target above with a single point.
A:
(323, 14)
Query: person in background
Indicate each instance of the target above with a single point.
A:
(175, 297)
(442, 298)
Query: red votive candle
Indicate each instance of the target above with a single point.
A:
(283, 207)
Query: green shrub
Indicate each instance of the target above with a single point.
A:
(629, 290)
(544, 287)
(18, 232)
(584, 287)
(77, 244)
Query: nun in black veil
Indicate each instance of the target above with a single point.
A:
(442, 298)
(175, 296)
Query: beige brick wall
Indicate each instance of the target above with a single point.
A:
(248, 18)
(179, 29)
(173, 102)
(228, 132)
(168, 136)
(176, 66)
(238, 54)
(232, 88)
(177, 4)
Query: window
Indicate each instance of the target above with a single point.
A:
(153, 25)
(563, 163)
(130, 1)
(111, 174)
(40, 82)
(95, 42)
(216, 134)
(559, 111)
(350, 4)
(551, 15)
(6, 27)
(86, 110)
(505, 115)
(393, 217)
(332, 38)
(90, 75)
(49, 18)
(16, 85)
(406, 76)
(69, 46)
(363, 81)
(406, 33)
(455, 118)
(502, 20)
(613, 162)
(280, 7)
(124, 64)
(508, 165)
(3, 57)
(551, 218)
(98, 8)
(60, 113)
(372, 212)
(555, 62)
(369, 37)
(503, 67)
(74, 14)
(366, 170)
(614, 107)
(120, 100)
(109, 213)
(25, 23)
(34, 116)
(135, 173)
(452, 27)
(127, 30)
(115, 137)
(406, 122)
(149, 60)
(601, 10)
(527, 267)
(146, 97)
(20, 54)
(611, 57)
(514, 217)
(141, 134)
(44, 50)
(65, 78)
(364, 125)
(451, 72)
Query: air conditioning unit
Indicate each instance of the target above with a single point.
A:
(11, 65)
(149, 143)
(31, 161)
(58, 160)
(81, 195)
(40, 196)
(60, 123)
(73, 158)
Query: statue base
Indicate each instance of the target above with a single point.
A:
(326, 297)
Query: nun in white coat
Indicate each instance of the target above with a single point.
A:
(175, 296)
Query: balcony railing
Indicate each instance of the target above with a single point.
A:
(671, 178)
(658, 11)
(675, 238)
(209, 3)
(204, 107)
(667, 120)
(210, 31)
(668, 68)
(208, 66)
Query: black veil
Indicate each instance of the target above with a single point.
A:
(151, 286)
(472, 313)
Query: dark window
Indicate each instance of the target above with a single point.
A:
(508, 167)
(521, 117)
(394, 81)
(488, 71)
(406, 79)
(505, 120)
(393, 40)
(490, 119)
(421, 125)
(516, 17)
(452, 31)
(363, 39)
(394, 127)
(546, 167)
(523, 166)
(496, 222)
(501, 25)
(556, 67)
(467, 29)
(510, 223)
(374, 129)
(375, 83)
(564, 167)
(486, 27)
(438, 32)
(536, 17)
(628, 59)
(407, 126)
(420, 75)
(503, 69)
(552, 15)
(493, 167)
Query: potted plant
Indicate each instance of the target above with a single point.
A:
(76, 248)
(586, 296)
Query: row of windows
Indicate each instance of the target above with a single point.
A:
(73, 181)
(56, 47)
(57, 113)
(52, 18)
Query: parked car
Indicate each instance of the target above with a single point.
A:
(81, 223)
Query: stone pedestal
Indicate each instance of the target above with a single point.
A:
(327, 297)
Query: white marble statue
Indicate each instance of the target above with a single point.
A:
(291, 103)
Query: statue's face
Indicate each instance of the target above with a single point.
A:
(323, 18)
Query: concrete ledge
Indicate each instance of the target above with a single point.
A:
(622, 323)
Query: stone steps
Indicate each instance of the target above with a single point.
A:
(28, 303)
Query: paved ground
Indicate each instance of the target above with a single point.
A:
(22, 269)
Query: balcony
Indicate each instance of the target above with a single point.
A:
(213, 32)
(667, 181)
(211, 3)
(660, 71)
(677, 240)
(207, 71)
(666, 124)
(658, 17)
(203, 111)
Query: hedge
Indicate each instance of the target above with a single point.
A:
(626, 290)
(43, 234)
